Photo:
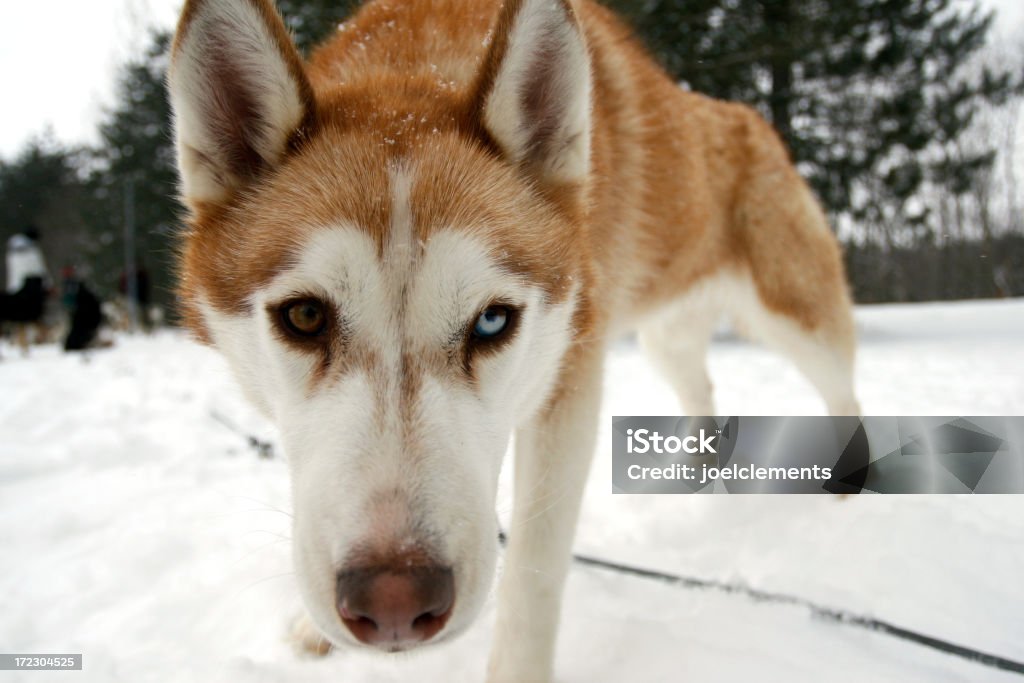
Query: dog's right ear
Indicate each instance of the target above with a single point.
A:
(534, 91)
(238, 93)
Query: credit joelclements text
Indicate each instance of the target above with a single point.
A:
(704, 475)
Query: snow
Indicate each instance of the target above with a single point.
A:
(141, 531)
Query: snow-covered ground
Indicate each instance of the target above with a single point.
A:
(139, 530)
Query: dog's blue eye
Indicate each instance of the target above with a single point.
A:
(491, 322)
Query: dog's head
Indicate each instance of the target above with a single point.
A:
(391, 265)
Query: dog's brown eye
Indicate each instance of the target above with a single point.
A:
(305, 318)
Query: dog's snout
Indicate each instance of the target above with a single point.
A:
(388, 606)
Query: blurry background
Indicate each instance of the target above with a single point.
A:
(904, 114)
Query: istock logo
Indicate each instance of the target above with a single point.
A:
(645, 441)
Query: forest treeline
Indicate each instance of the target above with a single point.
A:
(900, 113)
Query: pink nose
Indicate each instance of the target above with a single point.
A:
(391, 606)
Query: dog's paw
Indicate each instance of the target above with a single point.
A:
(306, 638)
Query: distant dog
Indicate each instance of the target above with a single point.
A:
(86, 317)
(421, 241)
(25, 309)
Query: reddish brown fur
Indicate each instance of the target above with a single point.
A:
(682, 186)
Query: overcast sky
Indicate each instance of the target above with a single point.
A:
(58, 60)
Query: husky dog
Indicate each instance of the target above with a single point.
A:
(419, 241)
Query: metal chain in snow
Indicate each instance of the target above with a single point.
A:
(264, 449)
(820, 611)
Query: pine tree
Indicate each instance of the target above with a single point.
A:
(42, 187)
(33, 183)
(135, 165)
(866, 93)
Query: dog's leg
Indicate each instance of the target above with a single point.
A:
(677, 344)
(823, 352)
(826, 365)
(795, 297)
(553, 454)
(22, 338)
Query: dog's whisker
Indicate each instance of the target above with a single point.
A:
(261, 581)
(253, 552)
(263, 505)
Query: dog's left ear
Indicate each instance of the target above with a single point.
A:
(534, 90)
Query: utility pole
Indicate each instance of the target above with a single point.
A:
(130, 274)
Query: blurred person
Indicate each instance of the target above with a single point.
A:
(28, 284)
